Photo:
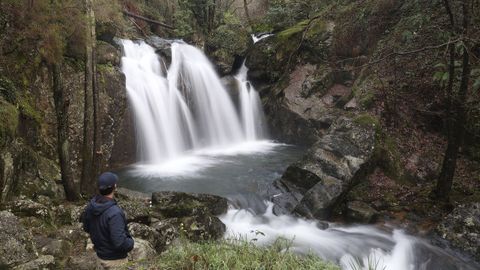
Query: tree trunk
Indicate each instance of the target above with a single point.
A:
(247, 14)
(445, 180)
(88, 181)
(63, 148)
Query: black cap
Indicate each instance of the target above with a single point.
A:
(107, 180)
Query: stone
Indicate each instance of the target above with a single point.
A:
(169, 231)
(179, 204)
(42, 262)
(136, 205)
(57, 248)
(461, 228)
(318, 183)
(68, 214)
(198, 228)
(142, 250)
(107, 54)
(351, 105)
(358, 211)
(84, 261)
(29, 208)
(142, 231)
(6, 174)
(17, 243)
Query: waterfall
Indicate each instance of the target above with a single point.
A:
(252, 113)
(186, 107)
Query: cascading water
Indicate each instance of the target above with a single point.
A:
(185, 112)
(253, 118)
(353, 248)
(186, 108)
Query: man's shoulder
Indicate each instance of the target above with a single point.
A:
(115, 210)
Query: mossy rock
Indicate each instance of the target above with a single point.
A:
(180, 204)
(8, 121)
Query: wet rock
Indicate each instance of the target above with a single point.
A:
(42, 262)
(17, 245)
(462, 228)
(264, 66)
(358, 211)
(142, 250)
(179, 204)
(162, 47)
(118, 147)
(203, 227)
(317, 184)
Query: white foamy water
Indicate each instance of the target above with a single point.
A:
(193, 162)
(186, 108)
(353, 248)
(257, 38)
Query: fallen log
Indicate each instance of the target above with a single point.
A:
(133, 15)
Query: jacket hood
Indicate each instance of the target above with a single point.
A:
(99, 204)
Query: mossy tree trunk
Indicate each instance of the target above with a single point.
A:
(88, 185)
(63, 146)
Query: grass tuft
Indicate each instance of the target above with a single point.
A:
(234, 254)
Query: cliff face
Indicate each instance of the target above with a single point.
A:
(28, 159)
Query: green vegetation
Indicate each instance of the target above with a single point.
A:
(8, 121)
(234, 254)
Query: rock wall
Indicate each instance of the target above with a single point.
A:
(28, 155)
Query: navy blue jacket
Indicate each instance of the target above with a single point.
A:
(107, 226)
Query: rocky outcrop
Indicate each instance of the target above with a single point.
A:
(155, 222)
(316, 185)
(192, 215)
(308, 106)
(462, 228)
(17, 243)
(180, 204)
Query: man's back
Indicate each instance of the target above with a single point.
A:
(107, 226)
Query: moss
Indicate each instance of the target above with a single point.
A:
(107, 68)
(366, 120)
(7, 90)
(25, 106)
(8, 121)
(290, 32)
(317, 28)
(364, 90)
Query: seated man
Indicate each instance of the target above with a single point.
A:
(105, 221)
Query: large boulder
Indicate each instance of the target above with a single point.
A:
(172, 204)
(150, 234)
(142, 250)
(17, 243)
(308, 104)
(462, 228)
(136, 205)
(317, 184)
